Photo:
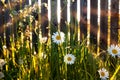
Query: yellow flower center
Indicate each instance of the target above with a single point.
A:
(114, 51)
(58, 37)
(102, 73)
(69, 58)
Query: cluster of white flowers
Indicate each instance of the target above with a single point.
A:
(59, 38)
(114, 50)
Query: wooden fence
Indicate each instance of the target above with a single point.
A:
(96, 20)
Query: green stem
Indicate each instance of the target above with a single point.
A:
(85, 66)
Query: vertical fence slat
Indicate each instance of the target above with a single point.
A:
(58, 13)
(88, 22)
(109, 24)
(68, 11)
(58, 10)
(49, 20)
(98, 21)
(49, 10)
(68, 18)
(30, 2)
(78, 18)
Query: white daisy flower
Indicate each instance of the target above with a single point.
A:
(58, 37)
(2, 63)
(2, 75)
(114, 50)
(69, 59)
(103, 74)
